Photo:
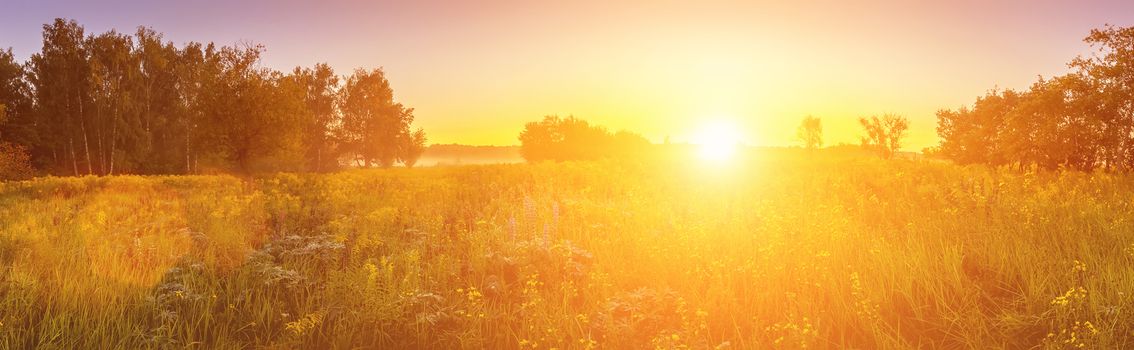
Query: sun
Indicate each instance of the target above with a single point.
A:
(717, 141)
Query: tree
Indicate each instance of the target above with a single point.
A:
(1081, 120)
(1109, 73)
(320, 116)
(627, 145)
(3, 118)
(114, 76)
(884, 135)
(978, 134)
(112, 103)
(198, 66)
(560, 139)
(16, 119)
(161, 125)
(60, 75)
(412, 147)
(14, 161)
(254, 114)
(810, 132)
(373, 123)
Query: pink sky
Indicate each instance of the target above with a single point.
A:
(475, 72)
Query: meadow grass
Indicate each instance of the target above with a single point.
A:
(774, 251)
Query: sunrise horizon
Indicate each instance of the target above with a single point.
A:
(660, 70)
(580, 175)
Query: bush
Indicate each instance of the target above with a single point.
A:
(15, 164)
(561, 139)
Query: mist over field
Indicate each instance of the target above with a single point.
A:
(441, 155)
(347, 174)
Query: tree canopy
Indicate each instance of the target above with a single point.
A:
(1081, 120)
(115, 103)
(884, 134)
(559, 139)
(810, 132)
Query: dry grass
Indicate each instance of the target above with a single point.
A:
(777, 251)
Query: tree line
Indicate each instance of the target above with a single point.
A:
(1082, 120)
(883, 134)
(560, 139)
(564, 139)
(113, 103)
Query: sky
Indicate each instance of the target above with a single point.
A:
(475, 72)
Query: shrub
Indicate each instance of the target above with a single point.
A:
(15, 164)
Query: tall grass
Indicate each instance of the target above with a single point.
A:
(771, 252)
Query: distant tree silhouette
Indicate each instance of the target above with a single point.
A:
(373, 123)
(810, 132)
(320, 86)
(884, 134)
(629, 145)
(412, 146)
(570, 138)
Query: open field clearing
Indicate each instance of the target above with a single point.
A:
(773, 252)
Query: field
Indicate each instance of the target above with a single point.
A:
(775, 251)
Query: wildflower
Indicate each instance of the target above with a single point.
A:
(1078, 266)
(582, 318)
(305, 323)
(473, 295)
(588, 343)
(371, 271)
(1091, 328)
(1073, 294)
